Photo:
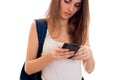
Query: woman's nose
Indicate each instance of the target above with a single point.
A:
(71, 8)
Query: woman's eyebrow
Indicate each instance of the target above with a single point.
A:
(78, 2)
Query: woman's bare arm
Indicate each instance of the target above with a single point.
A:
(32, 64)
(89, 63)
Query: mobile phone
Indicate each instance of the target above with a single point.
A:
(71, 46)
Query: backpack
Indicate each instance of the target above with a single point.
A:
(41, 26)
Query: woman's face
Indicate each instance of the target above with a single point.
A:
(68, 8)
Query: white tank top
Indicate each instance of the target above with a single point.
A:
(66, 69)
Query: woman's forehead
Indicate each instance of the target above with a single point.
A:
(75, 0)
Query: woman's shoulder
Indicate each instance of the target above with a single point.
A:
(38, 26)
(38, 22)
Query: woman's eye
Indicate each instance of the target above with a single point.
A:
(77, 5)
(67, 1)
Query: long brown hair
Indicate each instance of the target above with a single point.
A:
(79, 22)
(53, 12)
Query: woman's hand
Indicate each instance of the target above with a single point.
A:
(83, 53)
(59, 53)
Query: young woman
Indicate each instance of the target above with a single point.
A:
(67, 22)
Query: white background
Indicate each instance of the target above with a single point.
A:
(16, 17)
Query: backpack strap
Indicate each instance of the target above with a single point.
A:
(41, 25)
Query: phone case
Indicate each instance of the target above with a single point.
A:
(71, 46)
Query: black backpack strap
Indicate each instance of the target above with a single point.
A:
(41, 25)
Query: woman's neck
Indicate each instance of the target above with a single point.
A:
(63, 23)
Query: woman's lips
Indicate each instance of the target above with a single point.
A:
(67, 14)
